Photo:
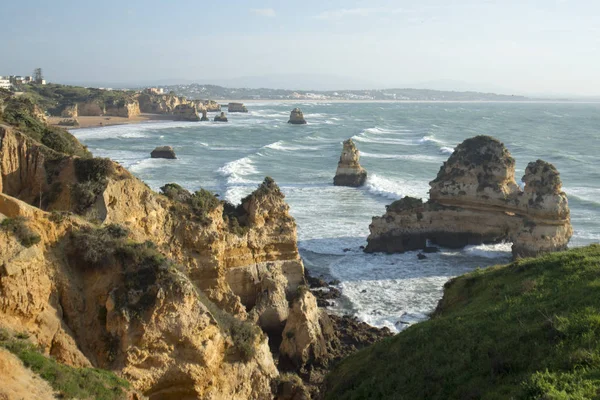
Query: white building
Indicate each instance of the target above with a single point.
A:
(5, 83)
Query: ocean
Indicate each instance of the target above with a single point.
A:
(402, 147)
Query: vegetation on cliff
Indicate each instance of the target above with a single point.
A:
(68, 382)
(18, 227)
(527, 330)
(24, 114)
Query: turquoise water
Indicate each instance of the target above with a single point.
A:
(403, 146)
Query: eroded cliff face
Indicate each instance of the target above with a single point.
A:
(349, 172)
(164, 329)
(475, 199)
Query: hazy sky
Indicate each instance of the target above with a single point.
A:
(527, 46)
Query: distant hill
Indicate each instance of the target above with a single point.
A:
(199, 91)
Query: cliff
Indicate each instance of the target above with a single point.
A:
(475, 199)
(526, 330)
(159, 291)
(186, 112)
(349, 172)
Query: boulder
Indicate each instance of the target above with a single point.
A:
(221, 117)
(163, 152)
(296, 117)
(237, 107)
(349, 172)
(475, 199)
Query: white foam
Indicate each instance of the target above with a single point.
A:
(236, 170)
(379, 140)
(412, 157)
(446, 150)
(489, 250)
(429, 139)
(395, 189)
(280, 146)
(590, 194)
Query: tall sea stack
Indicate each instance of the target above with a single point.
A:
(296, 117)
(349, 172)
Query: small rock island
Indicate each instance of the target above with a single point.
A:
(221, 117)
(237, 107)
(297, 117)
(349, 172)
(163, 152)
(474, 200)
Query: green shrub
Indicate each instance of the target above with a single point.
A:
(93, 169)
(68, 382)
(60, 140)
(18, 227)
(203, 202)
(96, 246)
(92, 175)
(176, 193)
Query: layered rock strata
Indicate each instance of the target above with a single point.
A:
(475, 199)
(296, 117)
(349, 172)
(186, 112)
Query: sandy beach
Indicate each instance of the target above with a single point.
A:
(98, 121)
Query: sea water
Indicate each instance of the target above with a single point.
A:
(402, 147)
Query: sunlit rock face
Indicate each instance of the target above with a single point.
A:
(475, 199)
(349, 172)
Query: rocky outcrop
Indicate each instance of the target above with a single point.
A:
(349, 172)
(221, 117)
(186, 112)
(475, 199)
(204, 116)
(69, 122)
(90, 109)
(125, 108)
(296, 117)
(163, 152)
(237, 107)
(70, 111)
(304, 342)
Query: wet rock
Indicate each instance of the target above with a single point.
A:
(297, 117)
(237, 107)
(349, 172)
(163, 152)
(221, 117)
(421, 256)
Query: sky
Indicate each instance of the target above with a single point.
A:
(516, 46)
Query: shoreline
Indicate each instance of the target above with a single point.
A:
(105, 120)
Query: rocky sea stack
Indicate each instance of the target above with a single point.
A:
(204, 116)
(296, 117)
(163, 152)
(221, 117)
(475, 199)
(349, 172)
(237, 107)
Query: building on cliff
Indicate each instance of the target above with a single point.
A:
(475, 199)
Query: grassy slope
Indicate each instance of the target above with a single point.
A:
(68, 382)
(527, 330)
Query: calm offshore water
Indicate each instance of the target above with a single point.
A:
(402, 147)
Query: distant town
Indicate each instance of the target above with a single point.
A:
(199, 91)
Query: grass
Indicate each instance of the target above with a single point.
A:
(527, 330)
(18, 227)
(68, 382)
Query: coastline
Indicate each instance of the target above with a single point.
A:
(102, 121)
